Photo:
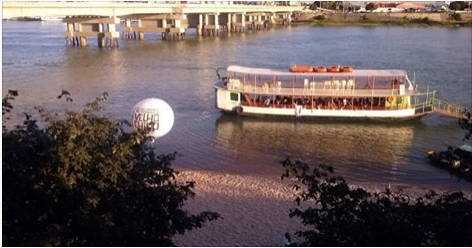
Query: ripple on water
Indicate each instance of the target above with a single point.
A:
(182, 74)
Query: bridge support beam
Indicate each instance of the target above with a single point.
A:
(237, 23)
(170, 26)
(208, 24)
(211, 26)
(80, 28)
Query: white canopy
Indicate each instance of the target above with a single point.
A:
(355, 73)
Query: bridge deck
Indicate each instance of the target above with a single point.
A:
(117, 9)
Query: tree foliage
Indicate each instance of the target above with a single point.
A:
(82, 180)
(332, 5)
(370, 6)
(466, 124)
(336, 214)
(458, 5)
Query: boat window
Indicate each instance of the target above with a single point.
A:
(234, 97)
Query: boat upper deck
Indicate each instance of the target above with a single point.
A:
(317, 90)
(358, 83)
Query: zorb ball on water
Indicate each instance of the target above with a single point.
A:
(154, 115)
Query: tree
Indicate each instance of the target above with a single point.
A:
(370, 6)
(336, 214)
(82, 180)
(458, 5)
(466, 124)
(313, 6)
(323, 4)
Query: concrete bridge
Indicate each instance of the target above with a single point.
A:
(108, 9)
(98, 19)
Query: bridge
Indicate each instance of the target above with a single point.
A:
(99, 19)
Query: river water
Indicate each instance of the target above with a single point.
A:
(36, 62)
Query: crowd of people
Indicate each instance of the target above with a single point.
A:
(334, 103)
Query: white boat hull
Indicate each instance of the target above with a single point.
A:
(225, 102)
(345, 113)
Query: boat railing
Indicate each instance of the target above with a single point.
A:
(423, 102)
(316, 88)
(428, 103)
(449, 109)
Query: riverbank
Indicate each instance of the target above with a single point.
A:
(254, 208)
(377, 19)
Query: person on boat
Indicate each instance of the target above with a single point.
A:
(267, 102)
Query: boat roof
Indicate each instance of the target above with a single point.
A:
(354, 73)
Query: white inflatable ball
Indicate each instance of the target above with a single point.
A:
(155, 114)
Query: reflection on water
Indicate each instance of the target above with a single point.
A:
(341, 143)
(364, 152)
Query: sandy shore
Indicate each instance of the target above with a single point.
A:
(255, 209)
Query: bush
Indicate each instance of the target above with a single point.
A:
(455, 16)
(84, 181)
(336, 214)
(319, 17)
(364, 18)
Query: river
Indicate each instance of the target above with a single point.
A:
(36, 62)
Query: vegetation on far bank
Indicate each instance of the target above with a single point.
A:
(320, 20)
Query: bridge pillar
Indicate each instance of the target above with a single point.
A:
(272, 20)
(70, 41)
(164, 26)
(243, 22)
(100, 38)
(250, 22)
(258, 23)
(229, 23)
(205, 25)
(200, 25)
(211, 25)
(170, 26)
(217, 25)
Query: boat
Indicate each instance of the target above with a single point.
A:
(334, 69)
(361, 93)
(301, 68)
(347, 69)
(457, 160)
